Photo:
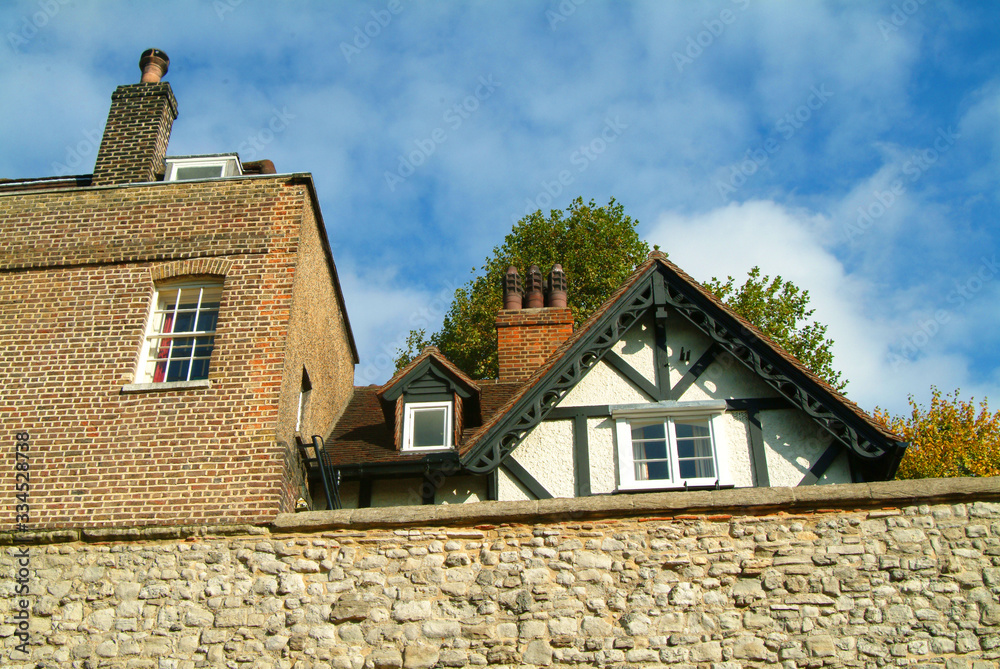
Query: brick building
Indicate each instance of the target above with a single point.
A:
(169, 324)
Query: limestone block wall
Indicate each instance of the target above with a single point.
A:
(865, 575)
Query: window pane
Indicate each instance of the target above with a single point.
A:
(177, 370)
(651, 431)
(695, 456)
(429, 427)
(179, 311)
(205, 172)
(649, 451)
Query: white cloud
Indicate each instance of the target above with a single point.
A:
(878, 344)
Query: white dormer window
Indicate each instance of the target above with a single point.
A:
(671, 445)
(187, 168)
(427, 426)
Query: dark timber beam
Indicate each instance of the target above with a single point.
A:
(492, 484)
(660, 325)
(581, 456)
(630, 373)
(524, 478)
(427, 490)
(757, 452)
(365, 493)
(594, 411)
(696, 370)
(820, 466)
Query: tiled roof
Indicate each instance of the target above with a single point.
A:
(434, 353)
(362, 435)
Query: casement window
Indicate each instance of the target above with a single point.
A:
(183, 168)
(670, 445)
(427, 426)
(181, 332)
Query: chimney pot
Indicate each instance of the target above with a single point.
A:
(512, 291)
(154, 64)
(534, 292)
(557, 287)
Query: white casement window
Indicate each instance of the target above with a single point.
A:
(671, 445)
(427, 426)
(183, 168)
(181, 332)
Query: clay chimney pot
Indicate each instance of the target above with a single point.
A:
(154, 64)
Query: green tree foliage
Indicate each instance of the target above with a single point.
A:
(780, 309)
(951, 437)
(597, 247)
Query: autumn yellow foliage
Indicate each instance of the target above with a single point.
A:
(950, 438)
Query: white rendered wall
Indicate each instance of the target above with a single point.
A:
(793, 442)
(603, 463)
(637, 348)
(603, 385)
(725, 378)
(509, 490)
(547, 454)
(736, 437)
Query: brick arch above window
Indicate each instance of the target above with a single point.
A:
(193, 267)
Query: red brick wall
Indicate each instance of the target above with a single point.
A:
(76, 280)
(526, 337)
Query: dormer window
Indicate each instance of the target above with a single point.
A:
(188, 168)
(427, 426)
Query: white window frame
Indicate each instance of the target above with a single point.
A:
(711, 411)
(145, 374)
(229, 165)
(412, 408)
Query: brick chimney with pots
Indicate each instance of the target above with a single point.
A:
(138, 127)
(527, 337)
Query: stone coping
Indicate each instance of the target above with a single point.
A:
(734, 501)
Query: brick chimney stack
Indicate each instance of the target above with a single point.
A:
(138, 127)
(527, 337)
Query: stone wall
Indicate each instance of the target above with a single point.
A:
(890, 574)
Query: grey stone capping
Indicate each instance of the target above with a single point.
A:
(138, 533)
(738, 501)
(743, 501)
(165, 385)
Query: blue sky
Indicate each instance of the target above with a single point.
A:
(853, 148)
